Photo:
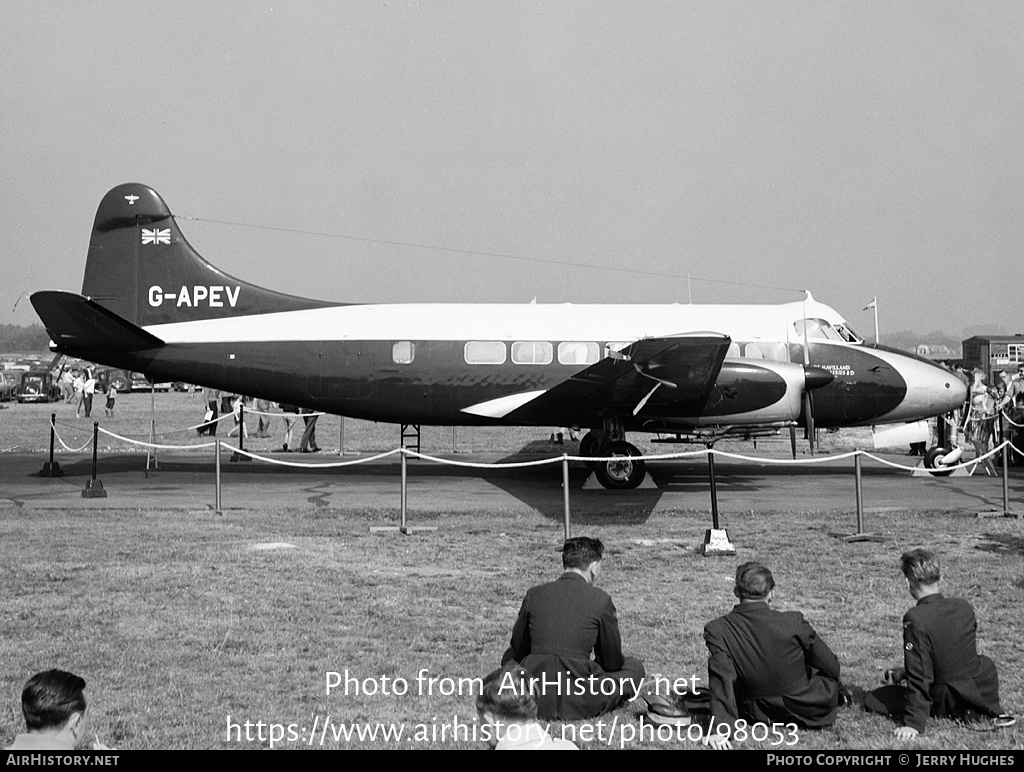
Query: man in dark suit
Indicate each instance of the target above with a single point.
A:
(767, 666)
(559, 625)
(944, 674)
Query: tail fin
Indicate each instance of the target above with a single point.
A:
(142, 269)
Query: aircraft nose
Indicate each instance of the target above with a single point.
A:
(930, 388)
(947, 392)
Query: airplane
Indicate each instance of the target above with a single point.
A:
(151, 303)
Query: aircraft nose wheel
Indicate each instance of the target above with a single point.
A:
(626, 470)
(931, 462)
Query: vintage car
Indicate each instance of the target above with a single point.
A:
(38, 386)
(141, 383)
(9, 380)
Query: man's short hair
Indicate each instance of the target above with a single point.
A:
(581, 551)
(920, 567)
(50, 698)
(753, 581)
(508, 693)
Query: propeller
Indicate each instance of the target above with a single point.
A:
(814, 378)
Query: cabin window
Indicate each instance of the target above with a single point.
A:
(403, 352)
(734, 350)
(614, 345)
(485, 352)
(533, 352)
(578, 353)
(776, 352)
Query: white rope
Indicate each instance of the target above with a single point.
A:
(67, 447)
(300, 465)
(1011, 421)
(156, 445)
(539, 462)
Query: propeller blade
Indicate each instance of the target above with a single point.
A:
(809, 418)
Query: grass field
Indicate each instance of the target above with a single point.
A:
(181, 620)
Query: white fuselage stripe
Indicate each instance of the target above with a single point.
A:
(458, 322)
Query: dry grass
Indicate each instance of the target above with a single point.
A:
(177, 622)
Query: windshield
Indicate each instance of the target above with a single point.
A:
(821, 329)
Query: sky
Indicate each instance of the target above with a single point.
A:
(468, 151)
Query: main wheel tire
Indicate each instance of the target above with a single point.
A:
(625, 471)
(931, 461)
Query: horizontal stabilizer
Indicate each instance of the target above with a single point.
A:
(74, 322)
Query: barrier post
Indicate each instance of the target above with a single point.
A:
(216, 498)
(236, 456)
(716, 540)
(859, 535)
(1005, 511)
(152, 428)
(565, 492)
(94, 488)
(341, 438)
(404, 528)
(51, 468)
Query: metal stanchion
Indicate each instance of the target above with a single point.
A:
(94, 488)
(152, 429)
(403, 526)
(405, 480)
(51, 468)
(859, 535)
(216, 499)
(1005, 511)
(716, 540)
(236, 456)
(565, 492)
(341, 437)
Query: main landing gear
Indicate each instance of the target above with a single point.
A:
(625, 467)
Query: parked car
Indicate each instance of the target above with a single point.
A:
(113, 376)
(9, 384)
(141, 383)
(38, 386)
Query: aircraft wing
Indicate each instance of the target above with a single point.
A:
(74, 322)
(678, 369)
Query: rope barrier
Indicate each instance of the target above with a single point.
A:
(301, 465)
(67, 447)
(537, 462)
(156, 445)
(1011, 421)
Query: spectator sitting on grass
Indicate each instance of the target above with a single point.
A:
(55, 714)
(508, 713)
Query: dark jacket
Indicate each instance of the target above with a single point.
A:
(559, 625)
(770, 666)
(945, 675)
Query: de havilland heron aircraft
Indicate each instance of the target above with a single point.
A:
(151, 303)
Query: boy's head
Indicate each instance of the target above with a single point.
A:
(507, 698)
(921, 568)
(53, 700)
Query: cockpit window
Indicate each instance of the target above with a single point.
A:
(848, 334)
(818, 329)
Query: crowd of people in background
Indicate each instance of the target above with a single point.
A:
(993, 413)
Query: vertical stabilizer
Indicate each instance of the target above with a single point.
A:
(141, 268)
